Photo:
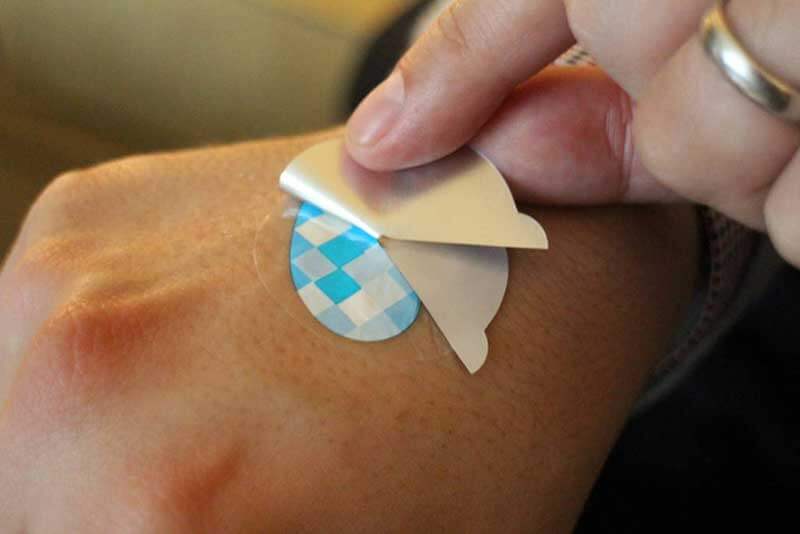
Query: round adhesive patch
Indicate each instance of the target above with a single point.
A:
(346, 279)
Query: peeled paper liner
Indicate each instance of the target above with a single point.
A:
(271, 257)
(462, 287)
(461, 199)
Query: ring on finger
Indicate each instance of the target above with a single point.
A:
(740, 68)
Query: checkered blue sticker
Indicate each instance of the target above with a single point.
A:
(346, 279)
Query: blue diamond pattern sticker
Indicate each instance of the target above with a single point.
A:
(346, 279)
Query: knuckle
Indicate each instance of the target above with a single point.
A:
(75, 195)
(62, 189)
(128, 170)
(63, 202)
(91, 179)
(50, 257)
(450, 27)
(81, 343)
(100, 338)
(182, 489)
(85, 351)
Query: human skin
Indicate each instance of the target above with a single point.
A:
(150, 382)
(658, 121)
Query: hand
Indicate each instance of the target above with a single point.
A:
(669, 123)
(150, 383)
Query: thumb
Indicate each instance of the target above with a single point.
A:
(454, 78)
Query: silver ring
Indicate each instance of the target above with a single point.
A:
(751, 79)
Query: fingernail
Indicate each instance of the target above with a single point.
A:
(378, 113)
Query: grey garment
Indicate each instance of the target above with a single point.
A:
(761, 269)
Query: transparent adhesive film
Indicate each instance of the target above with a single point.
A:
(445, 226)
(341, 300)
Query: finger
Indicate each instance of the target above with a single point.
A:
(632, 39)
(702, 138)
(454, 78)
(782, 213)
(564, 137)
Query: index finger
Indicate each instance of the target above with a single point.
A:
(453, 79)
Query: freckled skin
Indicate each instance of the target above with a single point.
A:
(159, 386)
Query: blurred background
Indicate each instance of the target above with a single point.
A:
(82, 82)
